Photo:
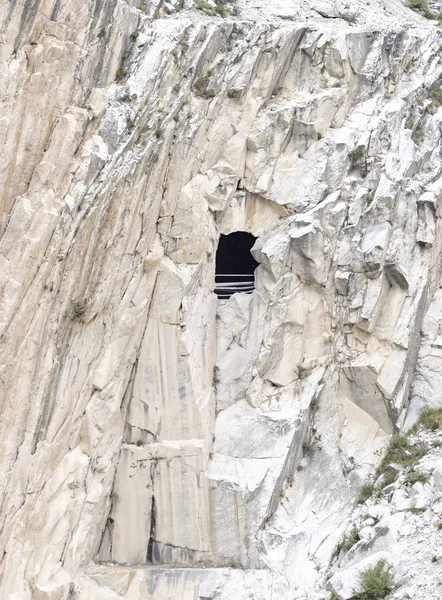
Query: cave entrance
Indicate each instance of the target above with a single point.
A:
(235, 266)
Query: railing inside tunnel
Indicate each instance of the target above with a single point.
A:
(229, 284)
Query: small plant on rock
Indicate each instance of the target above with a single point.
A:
(222, 8)
(200, 85)
(416, 511)
(347, 542)
(417, 477)
(436, 98)
(120, 74)
(134, 35)
(358, 160)
(430, 419)
(418, 134)
(377, 582)
(356, 155)
(399, 452)
(365, 492)
(78, 309)
(303, 372)
(422, 7)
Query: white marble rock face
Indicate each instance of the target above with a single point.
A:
(156, 442)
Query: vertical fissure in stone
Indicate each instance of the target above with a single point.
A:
(149, 556)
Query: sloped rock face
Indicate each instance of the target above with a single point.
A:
(400, 524)
(149, 430)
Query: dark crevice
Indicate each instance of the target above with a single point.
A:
(149, 556)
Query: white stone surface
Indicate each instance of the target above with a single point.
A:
(144, 422)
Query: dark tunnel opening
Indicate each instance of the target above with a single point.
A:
(235, 266)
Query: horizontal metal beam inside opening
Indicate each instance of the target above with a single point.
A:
(234, 284)
(227, 284)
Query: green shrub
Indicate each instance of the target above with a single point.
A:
(416, 511)
(417, 477)
(423, 7)
(215, 378)
(200, 85)
(400, 452)
(377, 582)
(389, 476)
(347, 542)
(365, 492)
(221, 9)
(356, 155)
(409, 123)
(134, 35)
(358, 160)
(430, 419)
(436, 98)
(120, 74)
(418, 134)
(205, 7)
(428, 14)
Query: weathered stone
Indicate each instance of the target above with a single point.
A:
(145, 423)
